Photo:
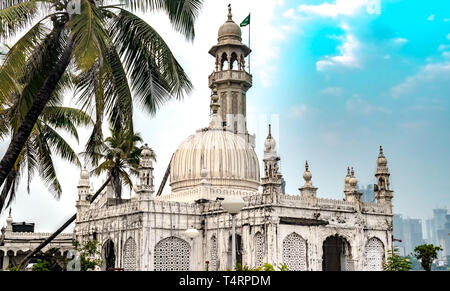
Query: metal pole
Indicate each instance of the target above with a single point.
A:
(233, 242)
(249, 45)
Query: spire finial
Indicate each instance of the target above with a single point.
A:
(348, 171)
(381, 150)
(270, 131)
(353, 172)
(10, 209)
(306, 166)
(230, 16)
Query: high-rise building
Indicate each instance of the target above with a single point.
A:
(409, 231)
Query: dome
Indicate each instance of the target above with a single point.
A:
(220, 157)
(230, 28)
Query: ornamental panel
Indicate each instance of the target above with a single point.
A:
(172, 254)
(374, 255)
(294, 252)
(259, 249)
(129, 255)
(214, 263)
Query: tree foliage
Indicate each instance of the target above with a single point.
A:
(395, 262)
(426, 254)
(89, 254)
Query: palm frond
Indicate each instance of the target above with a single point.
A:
(65, 118)
(15, 17)
(155, 74)
(88, 31)
(182, 13)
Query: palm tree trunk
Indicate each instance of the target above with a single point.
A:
(22, 264)
(39, 103)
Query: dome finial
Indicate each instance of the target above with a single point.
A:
(230, 16)
(306, 166)
(270, 131)
(214, 101)
(381, 150)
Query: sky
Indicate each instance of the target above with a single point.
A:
(336, 78)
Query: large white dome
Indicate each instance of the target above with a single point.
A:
(220, 158)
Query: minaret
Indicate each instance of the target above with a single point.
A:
(83, 190)
(382, 190)
(271, 181)
(145, 189)
(352, 195)
(9, 221)
(347, 182)
(229, 77)
(308, 190)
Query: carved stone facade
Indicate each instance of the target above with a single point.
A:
(303, 231)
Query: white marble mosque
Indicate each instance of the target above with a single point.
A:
(305, 232)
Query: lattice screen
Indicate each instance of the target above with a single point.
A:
(214, 263)
(172, 254)
(129, 255)
(294, 252)
(374, 255)
(259, 249)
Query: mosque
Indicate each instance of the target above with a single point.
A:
(189, 229)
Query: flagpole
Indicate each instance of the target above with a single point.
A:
(249, 46)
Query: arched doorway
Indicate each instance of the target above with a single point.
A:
(336, 254)
(109, 255)
(238, 251)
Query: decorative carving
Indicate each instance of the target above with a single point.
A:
(172, 254)
(129, 255)
(294, 252)
(373, 255)
(259, 249)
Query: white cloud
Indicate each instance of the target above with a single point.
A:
(335, 91)
(289, 13)
(444, 47)
(348, 54)
(446, 19)
(448, 36)
(427, 75)
(400, 41)
(431, 17)
(299, 111)
(339, 7)
(358, 105)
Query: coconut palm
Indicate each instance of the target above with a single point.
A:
(120, 159)
(44, 143)
(112, 52)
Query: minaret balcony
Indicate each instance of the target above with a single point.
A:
(234, 76)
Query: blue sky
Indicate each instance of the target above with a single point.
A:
(336, 78)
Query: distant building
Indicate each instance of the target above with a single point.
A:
(368, 193)
(409, 231)
(18, 239)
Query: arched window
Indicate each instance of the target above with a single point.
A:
(172, 254)
(224, 62)
(129, 255)
(234, 61)
(294, 252)
(214, 263)
(336, 254)
(373, 255)
(259, 249)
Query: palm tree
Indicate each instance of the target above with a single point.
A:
(120, 157)
(43, 144)
(112, 51)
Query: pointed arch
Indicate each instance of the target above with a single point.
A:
(295, 252)
(172, 254)
(373, 255)
(129, 255)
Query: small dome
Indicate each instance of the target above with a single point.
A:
(220, 157)
(230, 28)
(307, 176)
(381, 161)
(146, 152)
(84, 174)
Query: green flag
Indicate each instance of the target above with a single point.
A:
(246, 21)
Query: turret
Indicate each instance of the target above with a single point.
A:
(383, 193)
(145, 188)
(352, 194)
(272, 179)
(308, 190)
(229, 77)
(83, 190)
